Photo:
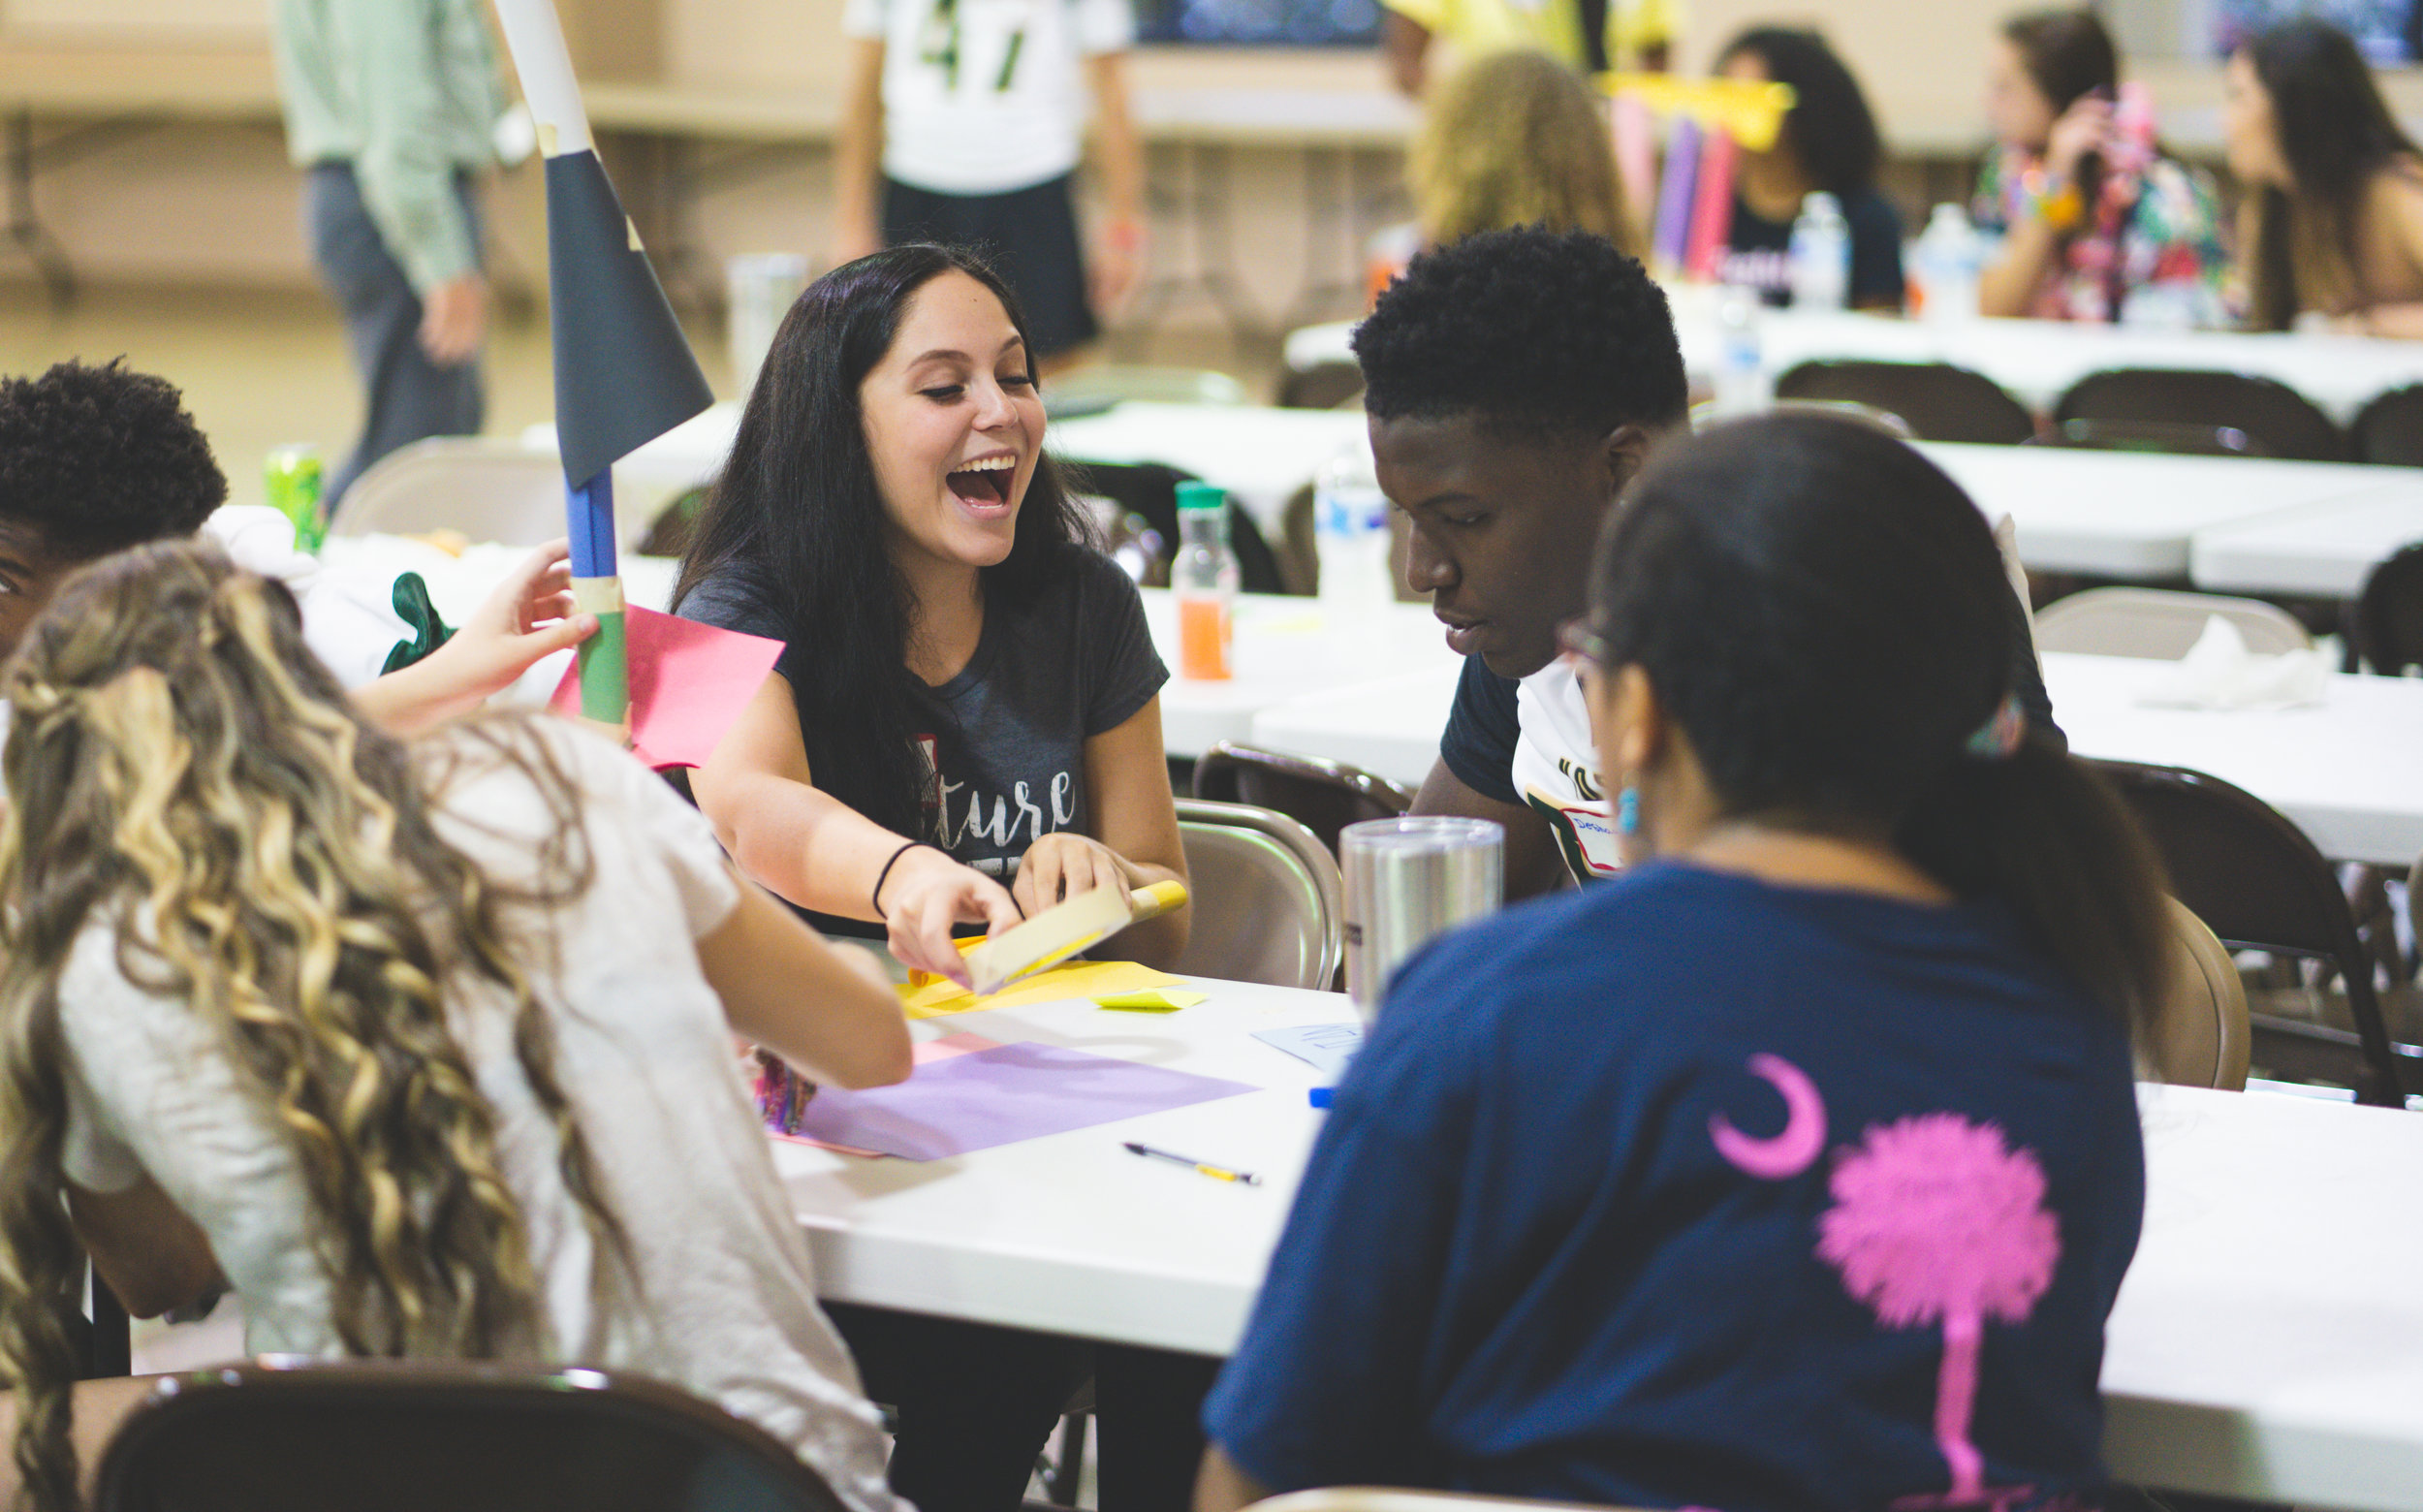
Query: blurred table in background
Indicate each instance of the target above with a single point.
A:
(2343, 771)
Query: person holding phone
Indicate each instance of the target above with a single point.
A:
(2098, 223)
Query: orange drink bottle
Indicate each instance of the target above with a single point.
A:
(1205, 580)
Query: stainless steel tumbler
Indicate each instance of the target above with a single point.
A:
(1407, 879)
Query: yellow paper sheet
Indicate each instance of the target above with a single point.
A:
(1077, 979)
(1154, 999)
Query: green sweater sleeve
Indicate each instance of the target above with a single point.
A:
(405, 73)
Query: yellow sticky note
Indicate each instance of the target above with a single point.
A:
(1153, 999)
(1077, 979)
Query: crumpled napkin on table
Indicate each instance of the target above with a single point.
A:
(2219, 672)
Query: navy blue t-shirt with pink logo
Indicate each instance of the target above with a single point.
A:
(1690, 1190)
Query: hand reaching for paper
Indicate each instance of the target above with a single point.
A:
(527, 616)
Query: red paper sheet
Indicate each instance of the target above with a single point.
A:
(689, 682)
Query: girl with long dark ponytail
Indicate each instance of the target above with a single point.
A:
(1823, 1104)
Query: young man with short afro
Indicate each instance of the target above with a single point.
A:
(93, 459)
(1515, 381)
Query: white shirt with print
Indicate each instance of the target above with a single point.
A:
(986, 96)
(1555, 770)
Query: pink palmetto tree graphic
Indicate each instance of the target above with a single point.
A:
(1939, 1221)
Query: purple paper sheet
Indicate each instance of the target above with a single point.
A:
(1000, 1096)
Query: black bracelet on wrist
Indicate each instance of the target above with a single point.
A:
(875, 897)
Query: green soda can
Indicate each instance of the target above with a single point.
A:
(294, 489)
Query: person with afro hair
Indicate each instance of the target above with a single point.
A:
(1516, 381)
(97, 458)
(93, 459)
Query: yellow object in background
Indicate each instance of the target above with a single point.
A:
(1749, 112)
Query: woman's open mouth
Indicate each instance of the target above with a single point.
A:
(984, 486)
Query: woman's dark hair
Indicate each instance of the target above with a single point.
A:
(2069, 56)
(1828, 129)
(1819, 608)
(2336, 133)
(798, 512)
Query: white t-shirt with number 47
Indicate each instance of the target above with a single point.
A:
(986, 96)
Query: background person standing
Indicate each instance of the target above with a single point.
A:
(962, 124)
(390, 106)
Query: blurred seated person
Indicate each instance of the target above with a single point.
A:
(1828, 144)
(2098, 223)
(1592, 36)
(1516, 138)
(1798, 1167)
(2331, 228)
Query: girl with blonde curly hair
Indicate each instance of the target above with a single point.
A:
(1517, 138)
(425, 1048)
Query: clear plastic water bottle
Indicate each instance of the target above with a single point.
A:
(1203, 579)
(1948, 261)
(1350, 532)
(1741, 358)
(1821, 254)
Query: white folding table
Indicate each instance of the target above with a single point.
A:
(2264, 1344)
(1285, 648)
(2347, 772)
(2132, 514)
(2324, 551)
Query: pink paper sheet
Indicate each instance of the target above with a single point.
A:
(689, 682)
(999, 1096)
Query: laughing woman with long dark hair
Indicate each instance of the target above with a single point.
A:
(966, 725)
(966, 720)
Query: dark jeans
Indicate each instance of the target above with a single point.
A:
(410, 396)
(973, 1406)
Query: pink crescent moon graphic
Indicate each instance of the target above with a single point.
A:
(1788, 1153)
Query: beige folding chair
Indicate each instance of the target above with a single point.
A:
(491, 490)
(1268, 905)
(2160, 625)
(1391, 1498)
(2201, 1037)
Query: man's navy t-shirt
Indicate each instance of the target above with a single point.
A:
(1676, 1192)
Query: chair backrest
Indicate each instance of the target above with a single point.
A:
(393, 1436)
(487, 488)
(1323, 796)
(1150, 491)
(2389, 613)
(1269, 904)
(2258, 883)
(1322, 386)
(2390, 428)
(2277, 418)
(1937, 401)
(2160, 625)
(2148, 436)
(2201, 1037)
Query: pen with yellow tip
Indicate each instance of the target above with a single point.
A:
(1218, 1173)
